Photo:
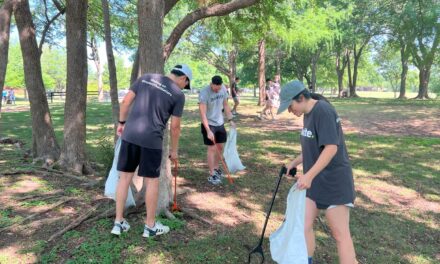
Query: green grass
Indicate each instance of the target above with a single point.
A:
(396, 176)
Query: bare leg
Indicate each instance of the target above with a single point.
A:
(212, 158)
(338, 219)
(311, 214)
(121, 193)
(151, 196)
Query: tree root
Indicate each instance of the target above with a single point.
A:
(76, 222)
(194, 215)
(36, 214)
(169, 215)
(41, 196)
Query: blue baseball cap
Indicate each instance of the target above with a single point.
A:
(288, 91)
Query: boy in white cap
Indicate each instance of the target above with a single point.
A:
(154, 99)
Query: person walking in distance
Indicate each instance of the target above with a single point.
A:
(235, 95)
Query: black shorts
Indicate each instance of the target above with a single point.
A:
(219, 134)
(148, 160)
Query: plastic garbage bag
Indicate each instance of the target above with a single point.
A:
(288, 243)
(113, 178)
(230, 153)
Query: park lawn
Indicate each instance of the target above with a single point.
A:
(397, 178)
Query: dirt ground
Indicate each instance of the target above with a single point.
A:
(24, 241)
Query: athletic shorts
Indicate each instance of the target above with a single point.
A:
(236, 99)
(326, 207)
(220, 135)
(131, 156)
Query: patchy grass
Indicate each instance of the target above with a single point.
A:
(396, 170)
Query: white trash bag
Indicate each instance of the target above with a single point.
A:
(230, 153)
(288, 243)
(113, 178)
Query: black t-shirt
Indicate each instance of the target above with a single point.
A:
(157, 98)
(334, 184)
(234, 90)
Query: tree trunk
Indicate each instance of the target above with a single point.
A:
(404, 54)
(424, 73)
(232, 66)
(350, 82)
(150, 20)
(314, 66)
(278, 64)
(73, 156)
(403, 76)
(262, 71)
(96, 59)
(111, 64)
(44, 142)
(5, 27)
(135, 70)
(354, 77)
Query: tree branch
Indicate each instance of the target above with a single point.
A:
(59, 6)
(204, 12)
(169, 4)
(46, 29)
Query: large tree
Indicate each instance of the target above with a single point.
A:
(5, 25)
(73, 156)
(425, 17)
(153, 53)
(44, 142)
(111, 63)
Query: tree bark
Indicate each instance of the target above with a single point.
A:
(314, 66)
(97, 60)
(354, 78)
(204, 12)
(262, 71)
(232, 66)
(150, 20)
(44, 143)
(404, 60)
(424, 74)
(350, 83)
(111, 64)
(73, 156)
(278, 64)
(5, 29)
(135, 70)
(340, 69)
(61, 11)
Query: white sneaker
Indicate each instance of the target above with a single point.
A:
(120, 227)
(219, 173)
(214, 179)
(158, 229)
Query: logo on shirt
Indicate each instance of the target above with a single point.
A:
(307, 133)
(158, 85)
(217, 97)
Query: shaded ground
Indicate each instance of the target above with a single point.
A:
(397, 179)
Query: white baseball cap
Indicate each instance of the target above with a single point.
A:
(185, 69)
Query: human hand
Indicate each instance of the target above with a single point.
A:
(211, 136)
(120, 129)
(304, 182)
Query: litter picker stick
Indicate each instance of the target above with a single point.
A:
(224, 164)
(175, 207)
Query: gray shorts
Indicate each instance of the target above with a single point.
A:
(236, 99)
